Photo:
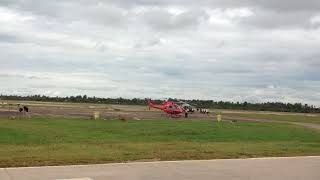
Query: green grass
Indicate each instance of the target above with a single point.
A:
(293, 118)
(73, 141)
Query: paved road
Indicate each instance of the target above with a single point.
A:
(308, 125)
(295, 168)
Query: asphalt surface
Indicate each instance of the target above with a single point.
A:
(307, 125)
(293, 168)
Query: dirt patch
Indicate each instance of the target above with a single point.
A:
(106, 112)
(79, 110)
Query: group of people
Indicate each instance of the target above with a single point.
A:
(203, 111)
(23, 109)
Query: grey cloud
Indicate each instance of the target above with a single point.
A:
(283, 5)
(103, 13)
(70, 11)
(147, 43)
(268, 14)
(161, 19)
(313, 60)
(7, 38)
(274, 19)
(49, 8)
(113, 48)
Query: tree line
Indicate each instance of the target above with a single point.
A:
(268, 106)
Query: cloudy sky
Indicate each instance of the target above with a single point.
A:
(249, 50)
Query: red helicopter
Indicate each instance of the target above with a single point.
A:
(169, 107)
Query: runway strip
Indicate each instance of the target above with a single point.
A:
(307, 125)
(287, 168)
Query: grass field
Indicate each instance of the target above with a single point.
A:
(292, 118)
(44, 141)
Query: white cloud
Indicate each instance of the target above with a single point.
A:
(222, 50)
(315, 20)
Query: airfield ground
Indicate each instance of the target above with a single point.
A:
(85, 110)
(62, 133)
